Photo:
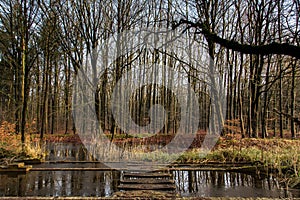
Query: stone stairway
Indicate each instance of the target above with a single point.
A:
(146, 180)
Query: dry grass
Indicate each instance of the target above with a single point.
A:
(12, 147)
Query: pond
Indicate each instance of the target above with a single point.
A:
(229, 184)
(60, 183)
(104, 183)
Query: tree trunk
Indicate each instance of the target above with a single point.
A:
(293, 101)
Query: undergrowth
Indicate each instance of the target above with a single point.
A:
(11, 146)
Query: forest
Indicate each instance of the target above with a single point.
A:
(212, 68)
(254, 46)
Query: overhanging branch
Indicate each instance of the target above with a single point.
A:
(272, 48)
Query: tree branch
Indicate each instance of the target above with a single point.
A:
(272, 48)
(296, 119)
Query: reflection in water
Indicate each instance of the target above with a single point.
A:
(103, 184)
(228, 184)
(60, 183)
(67, 151)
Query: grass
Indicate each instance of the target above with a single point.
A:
(276, 153)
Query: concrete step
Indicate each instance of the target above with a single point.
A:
(158, 187)
(146, 175)
(147, 181)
